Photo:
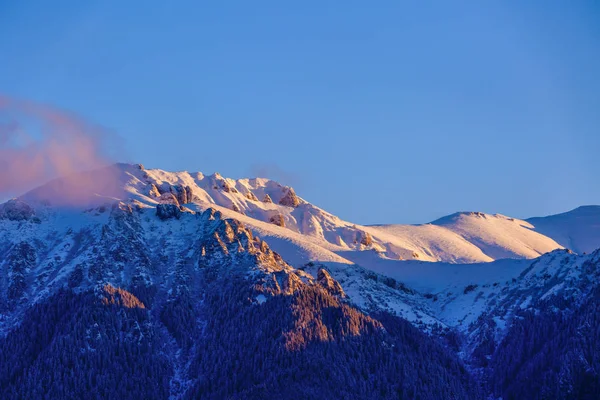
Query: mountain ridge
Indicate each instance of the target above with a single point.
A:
(471, 237)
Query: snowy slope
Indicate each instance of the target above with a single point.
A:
(426, 243)
(276, 210)
(498, 236)
(578, 230)
(459, 294)
(466, 237)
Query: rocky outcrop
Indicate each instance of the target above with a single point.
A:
(225, 186)
(154, 192)
(168, 198)
(267, 199)
(16, 210)
(111, 295)
(365, 239)
(182, 193)
(287, 283)
(251, 196)
(277, 220)
(230, 244)
(168, 211)
(331, 285)
(290, 199)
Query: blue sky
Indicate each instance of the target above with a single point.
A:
(396, 112)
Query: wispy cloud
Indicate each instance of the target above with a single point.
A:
(39, 142)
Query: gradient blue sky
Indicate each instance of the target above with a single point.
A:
(387, 111)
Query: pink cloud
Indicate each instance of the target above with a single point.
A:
(39, 142)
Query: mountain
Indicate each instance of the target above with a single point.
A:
(130, 280)
(460, 238)
(578, 230)
(122, 300)
(470, 237)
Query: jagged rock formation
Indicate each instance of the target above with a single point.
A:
(182, 193)
(366, 239)
(361, 237)
(333, 286)
(154, 192)
(290, 199)
(111, 295)
(278, 220)
(267, 199)
(167, 211)
(251, 196)
(225, 186)
(168, 198)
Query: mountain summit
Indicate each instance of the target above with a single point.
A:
(466, 237)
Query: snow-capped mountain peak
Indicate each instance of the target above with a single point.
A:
(463, 237)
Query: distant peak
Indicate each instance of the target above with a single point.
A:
(457, 215)
(469, 214)
(587, 208)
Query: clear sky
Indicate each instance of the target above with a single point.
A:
(380, 112)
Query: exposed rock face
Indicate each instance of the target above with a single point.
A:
(168, 198)
(16, 210)
(116, 296)
(230, 243)
(290, 199)
(225, 186)
(277, 220)
(167, 211)
(222, 184)
(366, 239)
(235, 208)
(332, 286)
(251, 196)
(267, 199)
(287, 283)
(154, 192)
(182, 193)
